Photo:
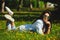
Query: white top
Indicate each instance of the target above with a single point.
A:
(38, 25)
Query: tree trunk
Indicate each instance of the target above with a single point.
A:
(20, 4)
(3, 4)
(31, 6)
(38, 3)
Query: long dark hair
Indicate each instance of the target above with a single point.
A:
(41, 16)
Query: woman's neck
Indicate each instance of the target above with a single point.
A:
(45, 20)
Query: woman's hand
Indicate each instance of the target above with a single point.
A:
(49, 27)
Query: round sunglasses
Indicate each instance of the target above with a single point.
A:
(46, 16)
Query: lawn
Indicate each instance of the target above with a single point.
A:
(17, 35)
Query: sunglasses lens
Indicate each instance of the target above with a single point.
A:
(46, 16)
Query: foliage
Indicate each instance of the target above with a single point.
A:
(41, 5)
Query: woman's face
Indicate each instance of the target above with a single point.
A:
(46, 16)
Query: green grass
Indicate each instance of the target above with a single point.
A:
(17, 35)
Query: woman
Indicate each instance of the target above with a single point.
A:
(47, 22)
(42, 25)
(10, 21)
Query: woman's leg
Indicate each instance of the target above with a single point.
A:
(26, 27)
(13, 26)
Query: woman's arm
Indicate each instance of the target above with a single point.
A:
(49, 27)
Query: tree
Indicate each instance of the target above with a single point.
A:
(20, 4)
(3, 4)
(31, 6)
